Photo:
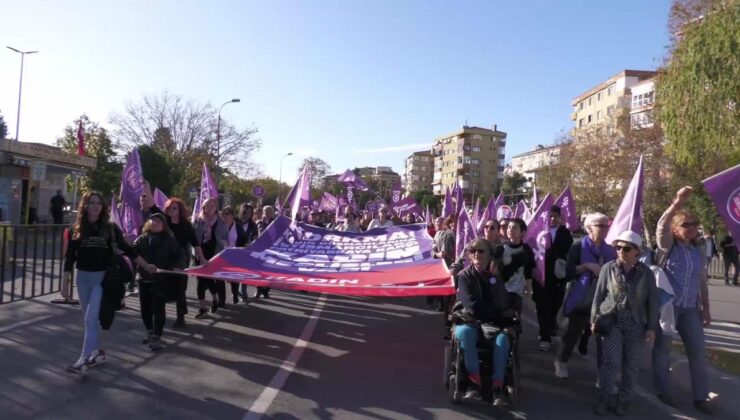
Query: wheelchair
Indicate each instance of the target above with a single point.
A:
(455, 375)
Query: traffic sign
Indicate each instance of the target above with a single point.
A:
(258, 191)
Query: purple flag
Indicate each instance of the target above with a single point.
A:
(328, 202)
(629, 215)
(406, 205)
(208, 187)
(447, 204)
(395, 192)
(300, 196)
(535, 201)
(488, 213)
(476, 214)
(498, 203)
(278, 205)
(464, 233)
(538, 237)
(351, 180)
(724, 188)
(519, 211)
(115, 214)
(132, 186)
(160, 199)
(459, 200)
(351, 197)
(568, 209)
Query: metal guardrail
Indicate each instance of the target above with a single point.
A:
(31, 262)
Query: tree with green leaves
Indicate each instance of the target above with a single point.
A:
(106, 177)
(514, 186)
(3, 127)
(319, 170)
(698, 90)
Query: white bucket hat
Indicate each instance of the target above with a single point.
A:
(629, 237)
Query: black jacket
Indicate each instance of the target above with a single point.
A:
(483, 294)
(557, 251)
(114, 290)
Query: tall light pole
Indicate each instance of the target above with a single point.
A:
(20, 89)
(218, 138)
(280, 179)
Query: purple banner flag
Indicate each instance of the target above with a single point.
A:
(629, 215)
(395, 192)
(132, 186)
(459, 200)
(464, 233)
(160, 199)
(406, 205)
(278, 205)
(352, 180)
(328, 202)
(447, 208)
(535, 201)
(208, 187)
(300, 194)
(475, 217)
(724, 188)
(568, 209)
(488, 213)
(519, 211)
(396, 261)
(538, 237)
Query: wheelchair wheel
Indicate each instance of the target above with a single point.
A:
(452, 392)
(513, 384)
(454, 384)
(448, 361)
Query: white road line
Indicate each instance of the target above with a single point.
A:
(263, 402)
(637, 389)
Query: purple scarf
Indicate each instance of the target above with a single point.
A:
(590, 253)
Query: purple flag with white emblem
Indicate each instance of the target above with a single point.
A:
(724, 188)
(132, 186)
(447, 208)
(395, 192)
(568, 209)
(464, 233)
(538, 237)
(629, 215)
(208, 187)
(328, 202)
(352, 180)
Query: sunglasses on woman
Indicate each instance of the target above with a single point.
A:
(625, 248)
(476, 251)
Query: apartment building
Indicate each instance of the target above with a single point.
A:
(535, 163)
(472, 157)
(607, 101)
(419, 170)
(643, 99)
(383, 176)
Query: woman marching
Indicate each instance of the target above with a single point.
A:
(237, 238)
(624, 315)
(92, 245)
(213, 235)
(157, 246)
(179, 224)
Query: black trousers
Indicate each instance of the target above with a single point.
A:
(181, 300)
(58, 217)
(547, 300)
(204, 283)
(235, 291)
(152, 302)
(261, 290)
(220, 286)
(578, 329)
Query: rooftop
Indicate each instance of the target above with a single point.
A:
(642, 74)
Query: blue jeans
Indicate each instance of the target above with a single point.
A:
(91, 292)
(690, 328)
(467, 336)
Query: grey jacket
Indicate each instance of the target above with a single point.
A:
(222, 233)
(642, 294)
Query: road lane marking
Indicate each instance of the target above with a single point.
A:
(265, 399)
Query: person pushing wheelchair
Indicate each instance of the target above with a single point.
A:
(487, 311)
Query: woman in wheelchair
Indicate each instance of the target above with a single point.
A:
(486, 312)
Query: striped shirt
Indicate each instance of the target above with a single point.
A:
(683, 269)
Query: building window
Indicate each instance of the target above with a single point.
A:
(610, 110)
(476, 148)
(611, 89)
(598, 97)
(580, 106)
(589, 118)
(475, 161)
(466, 147)
(598, 115)
(589, 101)
(580, 122)
(609, 130)
(476, 174)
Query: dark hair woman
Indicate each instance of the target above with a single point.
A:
(178, 221)
(93, 241)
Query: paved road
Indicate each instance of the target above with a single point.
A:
(365, 358)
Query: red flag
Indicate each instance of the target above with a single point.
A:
(80, 140)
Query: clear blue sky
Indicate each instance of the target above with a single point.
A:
(354, 82)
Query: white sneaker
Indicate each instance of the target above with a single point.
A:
(544, 346)
(98, 357)
(561, 369)
(79, 367)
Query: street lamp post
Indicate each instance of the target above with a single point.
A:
(218, 138)
(20, 89)
(280, 179)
